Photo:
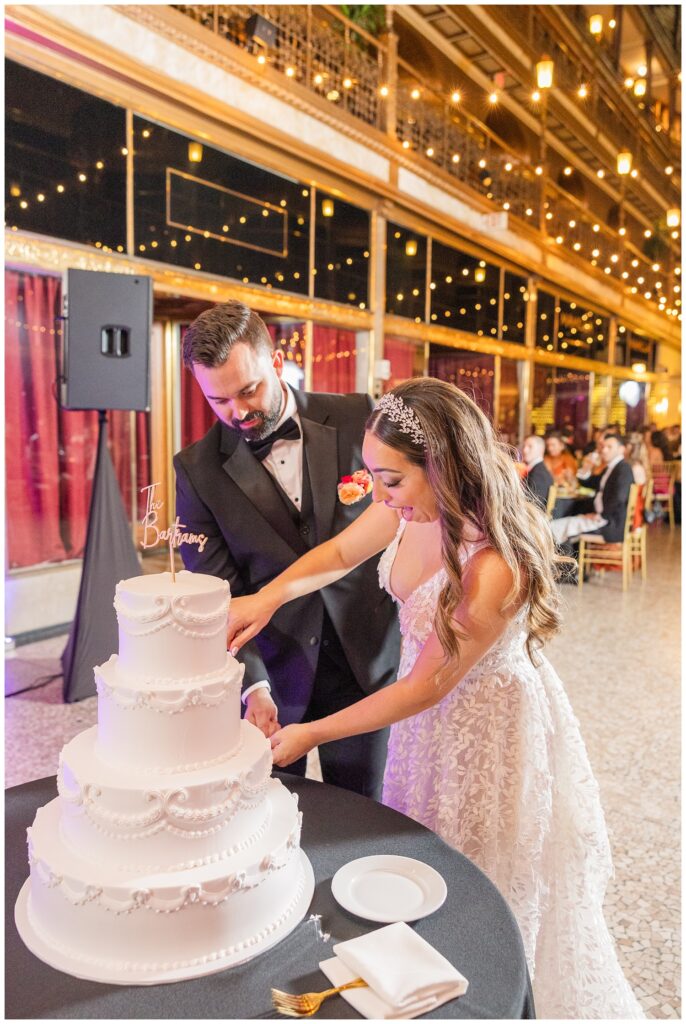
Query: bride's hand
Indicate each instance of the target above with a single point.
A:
(291, 743)
(247, 616)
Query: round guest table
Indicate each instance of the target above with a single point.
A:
(474, 929)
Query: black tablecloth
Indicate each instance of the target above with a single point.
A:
(474, 928)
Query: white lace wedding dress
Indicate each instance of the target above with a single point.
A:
(498, 768)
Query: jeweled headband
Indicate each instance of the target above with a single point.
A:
(404, 418)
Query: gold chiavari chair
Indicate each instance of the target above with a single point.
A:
(639, 535)
(550, 502)
(594, 550)
(664, 476)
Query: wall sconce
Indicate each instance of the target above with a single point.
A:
(411, 247)
(640, 87)
(638, 367)
(595, 25)
(624, 161)
(544, 73)
(480, 275)
(327, 207)
(673, 217)
(194, 152)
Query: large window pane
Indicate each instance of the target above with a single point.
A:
(341, 254)
(65, 161)
(201, 208)
(545, 321)
(406, 359)
(464, 291)
(543, 404)
(515, 298)
(405, 273)
(508, 400)
(581, 331)
(473, 372)
(571, 389)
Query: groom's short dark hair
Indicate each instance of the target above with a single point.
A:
(213, 334)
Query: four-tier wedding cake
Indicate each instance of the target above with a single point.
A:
(170, 851)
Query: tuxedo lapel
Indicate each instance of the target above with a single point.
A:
(320, 449)
(255, 482)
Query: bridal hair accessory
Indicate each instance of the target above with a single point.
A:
(354, 488)
(404, 418)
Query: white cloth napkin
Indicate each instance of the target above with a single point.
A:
(406, 975)
(572, 526)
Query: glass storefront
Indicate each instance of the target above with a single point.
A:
(473, 372)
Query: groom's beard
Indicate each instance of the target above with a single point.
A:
(266, 422)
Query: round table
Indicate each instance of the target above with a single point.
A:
(474, 928)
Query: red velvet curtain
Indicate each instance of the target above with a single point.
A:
(401, 356)
(196, 415)
(472, 372)
(50, 452)
(334, 353)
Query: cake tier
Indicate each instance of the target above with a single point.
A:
(169, 628)
(103, 922)
(168, 725)
(122, 816)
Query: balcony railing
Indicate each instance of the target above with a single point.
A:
(327, 54)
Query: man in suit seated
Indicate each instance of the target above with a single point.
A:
(603, 515)
(538, 479)
(262, 486)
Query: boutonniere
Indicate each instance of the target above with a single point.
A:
(354, 488)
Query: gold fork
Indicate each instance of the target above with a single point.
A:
(308, 1003)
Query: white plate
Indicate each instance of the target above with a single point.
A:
(388, 888)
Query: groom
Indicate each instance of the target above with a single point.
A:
(262, 486)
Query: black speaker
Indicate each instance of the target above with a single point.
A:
(106, 329)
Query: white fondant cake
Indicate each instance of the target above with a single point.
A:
(170, 851)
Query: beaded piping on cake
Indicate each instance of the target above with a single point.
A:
(170, 965)
(173, 701)
(167, 811)
(165, 900)
(125, 676)
(172, 612)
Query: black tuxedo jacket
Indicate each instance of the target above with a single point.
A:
(615, 499)
(223, 491)
(538, 482)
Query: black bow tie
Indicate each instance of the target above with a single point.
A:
(288, 431)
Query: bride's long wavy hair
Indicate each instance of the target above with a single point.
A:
(474, 479)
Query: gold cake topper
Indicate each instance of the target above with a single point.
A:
(173, 534)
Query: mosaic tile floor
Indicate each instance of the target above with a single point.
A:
(619, 655)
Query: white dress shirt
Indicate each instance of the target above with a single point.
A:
(598, 500)
(285, 464)
(285, 460)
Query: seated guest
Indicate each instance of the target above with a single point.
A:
(659, 450)
(605, 513)
(637, 457)
(596, 441)
(559, 461)
(673, 435)
(538, 479)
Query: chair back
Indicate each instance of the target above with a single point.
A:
(648, 497)
(663, 477)
(631, 511)
(552, 498)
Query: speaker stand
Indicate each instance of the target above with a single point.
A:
(109, 556)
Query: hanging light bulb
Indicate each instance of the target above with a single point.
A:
(480, 274)
(327, 207)
(545, 71)
(640, 87)
(595, 25)
(673, 217)
(624, 161)
(194, 152)
(411, 247)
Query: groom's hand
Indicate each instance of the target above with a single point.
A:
(261, 710)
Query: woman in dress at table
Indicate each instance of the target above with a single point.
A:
(484, 749)
(560, 460)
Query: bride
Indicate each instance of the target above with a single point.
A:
(484, 747)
